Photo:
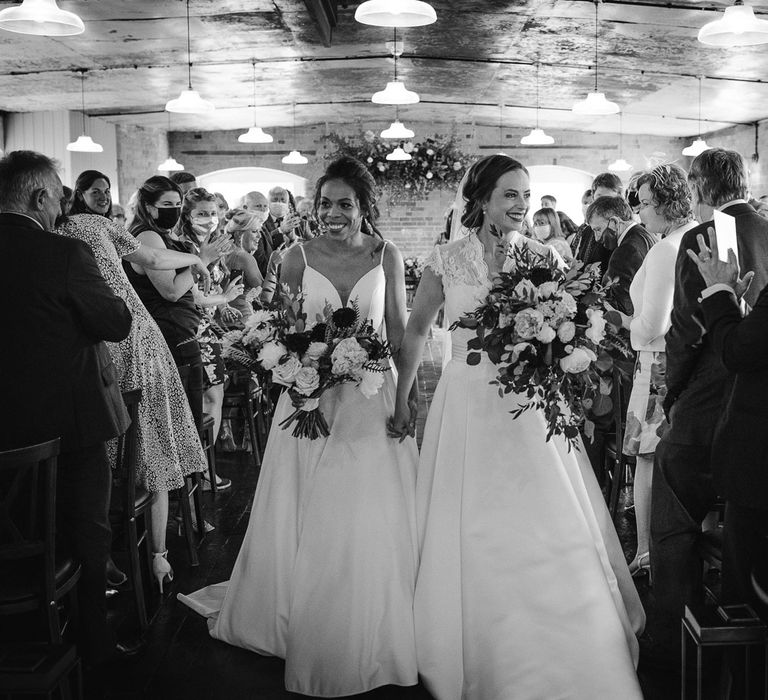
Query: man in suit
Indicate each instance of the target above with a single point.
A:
(610, 218)
(57, 375)
(588, 249)
(683, 491)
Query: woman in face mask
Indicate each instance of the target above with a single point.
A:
(92, 194)
(546, 229)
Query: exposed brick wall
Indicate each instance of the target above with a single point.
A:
(139, 152)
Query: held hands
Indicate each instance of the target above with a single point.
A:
(403, 423)
(215, 249)
(715, 271)
(230, 316)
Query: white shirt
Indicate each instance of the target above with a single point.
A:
(652, 291)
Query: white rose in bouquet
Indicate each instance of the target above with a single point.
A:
(271, 353)
(306, 380)
(316, 350)
(348, 357)
(547, 290)
(285, 372)
(546, 334)
(596, 330)
(370, 383)
(526, 289)
(566, 332)
(577, 361)
(528, 323)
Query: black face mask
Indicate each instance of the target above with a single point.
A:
(167, 217)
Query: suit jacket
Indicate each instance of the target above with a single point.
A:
(266, 248)
(57, 375)
(623, 265)
(739, 452)
(589, 250)
(696, 378)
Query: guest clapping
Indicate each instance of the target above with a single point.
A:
(697, 381)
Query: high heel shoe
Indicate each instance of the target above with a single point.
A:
(640, 566)
(161, 568)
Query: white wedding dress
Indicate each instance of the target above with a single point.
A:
(325, 576)
(523, 592)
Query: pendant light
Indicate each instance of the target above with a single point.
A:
(737, 27)
(395, 13)
(595, 103)
(40, 17)
(398, 154)
(537, 137)
(397, 129)
(84, 144)
(170, 164)
(699, 145)
(189, 101)
(620, 165)
(255, 133)
(395, 92)
(294, 157)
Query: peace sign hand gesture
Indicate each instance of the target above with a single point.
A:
(714, 270)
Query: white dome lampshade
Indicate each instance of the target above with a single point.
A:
(537, 137)
(737, 27)
(294, 158)
(395, 94)
(395, 13)
(596, 105)
(170, 165)
(697, 147)
(398, 154)
(41, 17)
(397, 130)
(189, 102)
(85, 144)
(255, 135)
(619, 166)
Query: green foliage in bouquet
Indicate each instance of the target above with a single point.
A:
(554, 339)
(436, 163)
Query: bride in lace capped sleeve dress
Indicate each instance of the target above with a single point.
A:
(326, 573)
(523, 591)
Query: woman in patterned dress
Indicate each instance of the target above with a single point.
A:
(168, 445)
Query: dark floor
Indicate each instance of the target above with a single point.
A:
(180, 660)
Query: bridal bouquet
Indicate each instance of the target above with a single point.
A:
(341, 347)
(554, 341)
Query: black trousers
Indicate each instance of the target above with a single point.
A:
(681, 496)
(188, 353)
(83, 486)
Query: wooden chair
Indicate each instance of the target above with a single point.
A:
(31, 579)
(130, 512)
(29, 669)
(618, 467)
(238, 396)
(192, 487)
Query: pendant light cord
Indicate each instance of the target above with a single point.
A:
(699, 106)
(82, 95)
(537, 94)
(189, 52)
(596, 6)
(253, 63)
(394, 51)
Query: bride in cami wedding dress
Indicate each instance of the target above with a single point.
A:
(523, 592)
(326, 572)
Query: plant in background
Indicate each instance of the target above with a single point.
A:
(436, 163)
(413, 269)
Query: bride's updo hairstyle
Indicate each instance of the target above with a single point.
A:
(481, 180)
(353, 173)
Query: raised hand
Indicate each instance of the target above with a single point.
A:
(201, 274)
(234, 289)
(714, 270)
(289, 223)
(215, 249)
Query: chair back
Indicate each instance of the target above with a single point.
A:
(28, 516)
(124, 475)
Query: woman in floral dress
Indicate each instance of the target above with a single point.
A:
(168, 444)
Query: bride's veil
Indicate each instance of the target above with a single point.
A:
(458, 230)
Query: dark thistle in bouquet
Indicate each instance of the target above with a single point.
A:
(554, 340)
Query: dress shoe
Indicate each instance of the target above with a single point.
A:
(129, 647)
